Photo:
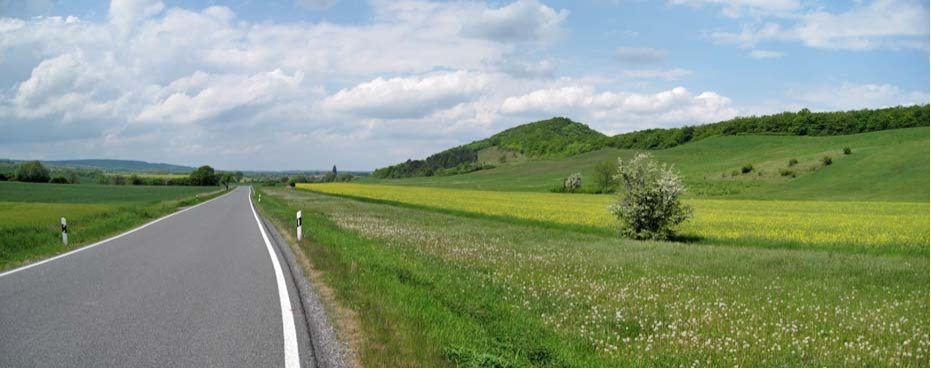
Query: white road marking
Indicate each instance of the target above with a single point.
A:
(291, 355)
(107, 240)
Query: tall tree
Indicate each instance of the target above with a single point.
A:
(32, 171)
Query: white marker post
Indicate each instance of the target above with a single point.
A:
(64, 231)
(298, 225)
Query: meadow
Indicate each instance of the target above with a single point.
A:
(30, 214)
(873, 227)
(437, 288)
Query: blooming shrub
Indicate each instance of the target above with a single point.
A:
(649, 205)
(573, 182)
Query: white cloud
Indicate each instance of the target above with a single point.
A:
(881, 23)
(202, 96)
(766, 54)
(637, 55)
(523, 20)
(849, 96)
(619, 111)
(411, 97)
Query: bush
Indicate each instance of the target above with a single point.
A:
(746, 168)
(827, 160)
(786, 172)
(573, 182)
(119, 180)
(58, 179)
(649, 205)
(135, 180)
(32, 171)
(4, 177)
(792, 162)
(847, 151)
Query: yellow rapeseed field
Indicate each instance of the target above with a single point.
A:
(884, 225)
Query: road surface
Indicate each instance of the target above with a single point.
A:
(199, 288)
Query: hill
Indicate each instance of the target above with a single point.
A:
(556, 137)
(561, 137)
(890, 165)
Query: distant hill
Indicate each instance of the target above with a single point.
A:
(562, 137)
(110, 165)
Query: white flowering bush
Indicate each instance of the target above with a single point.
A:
(649, 204)
(573, 182)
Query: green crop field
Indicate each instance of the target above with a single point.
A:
(91, 193)
(888, 165)
(30, 214)
(435, 288)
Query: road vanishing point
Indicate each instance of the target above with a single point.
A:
(204, 287)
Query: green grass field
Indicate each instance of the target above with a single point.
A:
(94, 194)
(888, 165)
(434, 288)
(30, 214)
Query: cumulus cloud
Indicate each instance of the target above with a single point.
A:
(881, 23)
(411, 97)
(202, 96)
(849, 96)
(523, 20)
(616, 111)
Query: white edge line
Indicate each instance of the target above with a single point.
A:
(98, 243)
(291, 354)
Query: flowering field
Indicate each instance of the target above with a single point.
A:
(434, 289)
(874, 226)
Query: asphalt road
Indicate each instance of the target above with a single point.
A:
(196, 289)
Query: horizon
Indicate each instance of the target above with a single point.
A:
(310, 84)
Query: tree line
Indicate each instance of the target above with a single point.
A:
(35, 172)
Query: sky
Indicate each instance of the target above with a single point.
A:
(307, 84)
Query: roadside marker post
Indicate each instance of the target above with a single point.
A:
(64, 231)
(299, 225)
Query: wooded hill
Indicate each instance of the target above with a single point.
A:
(562, 137)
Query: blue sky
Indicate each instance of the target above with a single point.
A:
(302, 84)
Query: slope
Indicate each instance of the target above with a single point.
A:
(891, 165)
